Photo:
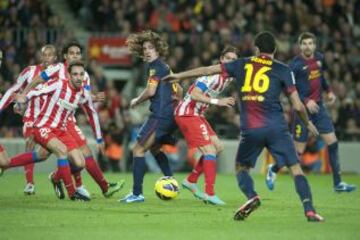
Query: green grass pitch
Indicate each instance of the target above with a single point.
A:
(42, 216)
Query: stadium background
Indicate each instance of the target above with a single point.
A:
(196, 31)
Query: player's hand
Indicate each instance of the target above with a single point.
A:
(99, 97)
(311, 127)
(330, 98)
(312, 106)
(172, 78)
(226, 102)
(20, 98)
(30, 143)
(101, 148)
(133, 102)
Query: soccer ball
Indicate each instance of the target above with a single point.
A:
(166, 188)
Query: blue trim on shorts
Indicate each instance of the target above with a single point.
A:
(61, 162)
(209, 157)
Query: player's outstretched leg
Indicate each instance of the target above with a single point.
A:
(246, 185)
(304, 192)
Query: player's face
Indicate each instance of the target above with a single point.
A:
(149, 51)
(77, 75)
(307, 47)
(73, 54)
(48, 56)
(228, 57)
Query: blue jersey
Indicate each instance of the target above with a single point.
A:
(260, 81)
(162, 103)
(309, 76)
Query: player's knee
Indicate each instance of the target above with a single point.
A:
(61, 151)
(42, 155)
(138, 151)
(77, 158)
(4, 161)
(296, 170)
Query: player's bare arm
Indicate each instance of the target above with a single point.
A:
(196, 72)
(301, 111)
(198, 95)
(146, 94)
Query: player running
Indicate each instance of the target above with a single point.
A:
(158, 128)
(47, 57)
(189, 116)
(308, 70)
(63, 97)
(260, 80)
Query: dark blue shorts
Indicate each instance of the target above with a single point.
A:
(321, 120)
(278, 141)
(163, 129)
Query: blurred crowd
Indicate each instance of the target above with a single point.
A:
(196, 31)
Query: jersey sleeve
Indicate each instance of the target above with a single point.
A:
(154, 76)
(93, 117)
(231, 69)
(288, 80)
(51, 71)
(21, 82)
(203, 83)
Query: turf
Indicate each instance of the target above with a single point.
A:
(42, 216)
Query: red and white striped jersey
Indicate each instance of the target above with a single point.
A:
(211, 86)
(61, 103)
(24, 78)
(59, 71)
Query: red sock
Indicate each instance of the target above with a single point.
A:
(94, 170)
(29, 173)
(210, 173)
(65, 173)
(197, 171)
(77, 178)
(2, 148)
(23, 159)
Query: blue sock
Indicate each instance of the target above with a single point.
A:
(334, 162)
(246, 184)
(139, 167)
(163, 163)
(304, 192)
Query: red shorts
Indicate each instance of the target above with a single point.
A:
(76, 133)
(43, 136)
(28, 129)
(196, 130)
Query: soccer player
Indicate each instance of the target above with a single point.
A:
(160, 124)
(189, 116)
(50, 128)
(308, 70)
(48, 56)
(260, 80)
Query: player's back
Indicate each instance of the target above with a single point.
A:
(260, 82)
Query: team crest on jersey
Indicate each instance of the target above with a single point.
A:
(67, 105)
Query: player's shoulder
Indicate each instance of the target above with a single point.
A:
(158, 67)
(280, 65)
(319, 56)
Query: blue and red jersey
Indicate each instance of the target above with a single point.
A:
(260, 82)
(309, 75)
(162, 103)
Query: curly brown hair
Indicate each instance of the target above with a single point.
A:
(135, 43)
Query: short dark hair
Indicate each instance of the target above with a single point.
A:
(265, 41)
(71, 44)
(306, 35)
(75, 64)
(229, 48)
